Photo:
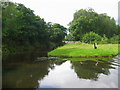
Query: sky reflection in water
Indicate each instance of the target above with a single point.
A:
(64, 76)
(23, 72)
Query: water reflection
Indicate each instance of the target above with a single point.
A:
(82, 74)
(25, 75)
(91, 69)
(21, 71)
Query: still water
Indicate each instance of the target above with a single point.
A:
(29, 70)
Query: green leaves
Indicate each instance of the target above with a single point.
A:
(58, 32)
(86, 20)
(21, 26)
(91, 37)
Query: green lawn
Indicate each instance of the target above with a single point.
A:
(79, 50)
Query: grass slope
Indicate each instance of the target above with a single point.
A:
(79, 50)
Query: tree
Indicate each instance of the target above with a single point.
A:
(91, 37)
(87, 20)
(114, 39)
(104, 39)
(9, 21)
(22, 24)
(58, 33)
(69, 37)
(106, 25)
(22, 27)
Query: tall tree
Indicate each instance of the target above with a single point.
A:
(21, 24)
(87, 20)
(58, 33)
(22, 27)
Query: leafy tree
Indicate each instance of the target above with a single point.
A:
(32, 27)
(21, 27)
(9, 21)
(58, 33)
(70, 37)
(118, 30)
(106, 25)
(91, 37)
(114, 39)
(104, 39)
(87, 20)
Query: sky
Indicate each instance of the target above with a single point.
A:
(61, 11)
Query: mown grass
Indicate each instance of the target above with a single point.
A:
(79, 50)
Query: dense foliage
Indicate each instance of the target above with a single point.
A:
(87, 20)
(57, 32)
(22, 27)
(114, 39)
(91, 37)
(70, 37)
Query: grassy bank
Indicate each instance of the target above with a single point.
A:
(85, 50)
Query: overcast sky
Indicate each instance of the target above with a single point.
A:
(61, 11)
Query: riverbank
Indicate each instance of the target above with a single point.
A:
(85, 50)
(13, 49)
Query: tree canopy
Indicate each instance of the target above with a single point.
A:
(87, 20)
(21, 26)
(91, 37)
(58, 33)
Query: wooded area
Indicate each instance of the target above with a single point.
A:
(21, 28)
(87, 21)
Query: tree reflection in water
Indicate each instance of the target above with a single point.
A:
(20, 71)
(91, 69)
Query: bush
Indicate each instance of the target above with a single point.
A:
(114, 39)
(104, 39)
(70, 37)
(91, 37)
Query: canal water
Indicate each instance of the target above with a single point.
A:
(30, 70)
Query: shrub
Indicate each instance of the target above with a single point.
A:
(91, 37)
(104, 39)
(114, 39)
(69, 37)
